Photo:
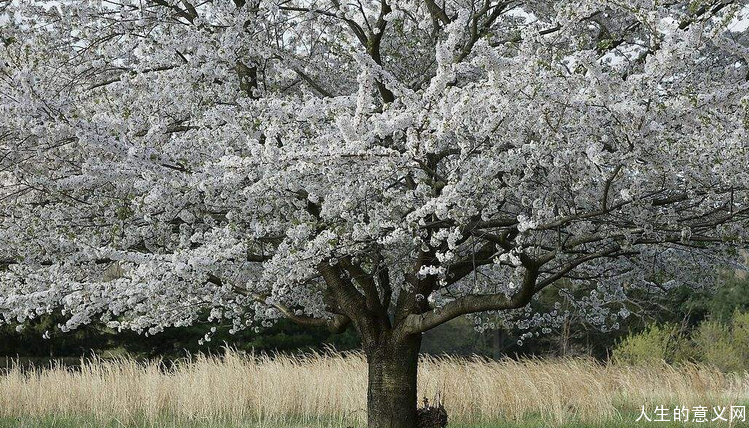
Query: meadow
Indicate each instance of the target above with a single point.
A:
(241, 390)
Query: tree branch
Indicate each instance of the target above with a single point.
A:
(419, 323)
(336, 324)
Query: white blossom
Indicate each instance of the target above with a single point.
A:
(157, 168)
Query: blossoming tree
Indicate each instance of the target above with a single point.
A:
(382, 165)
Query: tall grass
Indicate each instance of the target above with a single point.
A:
(330, 389)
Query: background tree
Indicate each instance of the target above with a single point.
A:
(388, 166)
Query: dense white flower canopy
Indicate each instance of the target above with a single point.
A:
(317, 159)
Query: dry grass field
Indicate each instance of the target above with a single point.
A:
(329, 390)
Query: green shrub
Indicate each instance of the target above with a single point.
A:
(657, 344)
(724, 344)
(740, 332)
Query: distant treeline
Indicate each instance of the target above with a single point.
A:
(678, 307)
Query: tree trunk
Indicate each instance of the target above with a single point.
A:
(391, 394)
(498, 343)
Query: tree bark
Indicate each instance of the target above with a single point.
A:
(498, 343)
(391, 394)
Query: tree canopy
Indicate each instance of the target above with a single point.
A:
(394, 164)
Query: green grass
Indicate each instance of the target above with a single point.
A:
(78, 422)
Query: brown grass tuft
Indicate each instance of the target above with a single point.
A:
(331, 389)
